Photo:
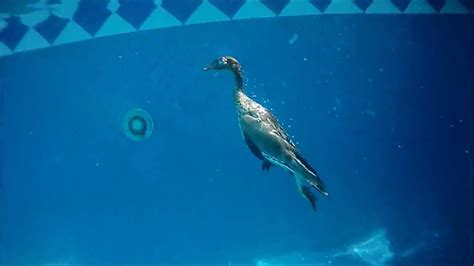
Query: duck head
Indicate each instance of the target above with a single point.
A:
(224, 63)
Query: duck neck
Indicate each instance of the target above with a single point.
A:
(239, 79)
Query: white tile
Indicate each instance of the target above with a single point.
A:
(4, 50)
(342, 7)
(419, 7)
(253, 9)
(33, 18)
(31, 41)
(72, 33)
(114, 25)
(382, 7)
(3, 24)
(454, 7)
(113, 5)
(160, 18)
(299, 8)
(65, 9)
(206, 12)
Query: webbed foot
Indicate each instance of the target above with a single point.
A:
(266, 165)
(309, 196)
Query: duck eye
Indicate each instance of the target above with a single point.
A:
(222, 60)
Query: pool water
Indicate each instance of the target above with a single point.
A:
(377, 95)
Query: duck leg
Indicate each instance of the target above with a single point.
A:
(309, 196)
(266, 165)
(256, 151)
(306, 192)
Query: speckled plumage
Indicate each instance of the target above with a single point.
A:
(266, 138)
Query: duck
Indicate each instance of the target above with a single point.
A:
(265, 136)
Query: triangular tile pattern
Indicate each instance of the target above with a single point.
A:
(321, 5)
(65, 10)
(91, 15)
(135, 12)
(363, 4)
(419, 7)
(13, 33)
(33, 18)
(254, 9)
(228, 7)
(160, 18)
(342, 7)
(275, 5)
(299, 8)
(206, 12)
(115, 25)
(4, 50)
(383, 7)
(469, 4)
(32, 40)
(181, 9)
(108, 17)
(401, 4)
(454, 7)
(437, 4)
(72, 33)
(51, 27)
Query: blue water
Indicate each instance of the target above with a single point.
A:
(381, 106)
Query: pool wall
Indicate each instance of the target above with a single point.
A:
(77, 20)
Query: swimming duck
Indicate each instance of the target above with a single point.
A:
(266, 138)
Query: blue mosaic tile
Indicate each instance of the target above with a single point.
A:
(51, 27)
(13, 33)
(228, 7)
(469, 4)
(401, 4)
(275, 5)
(92, 14)
(437, 4)
(181, 9)
(321, 5)
(135, 12)
(363, 4)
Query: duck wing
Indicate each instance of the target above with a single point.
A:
(253, 148)
(278, 128)
(313, 178)
(282, 133)
(256, 151)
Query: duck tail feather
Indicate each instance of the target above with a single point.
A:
(311, 176)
